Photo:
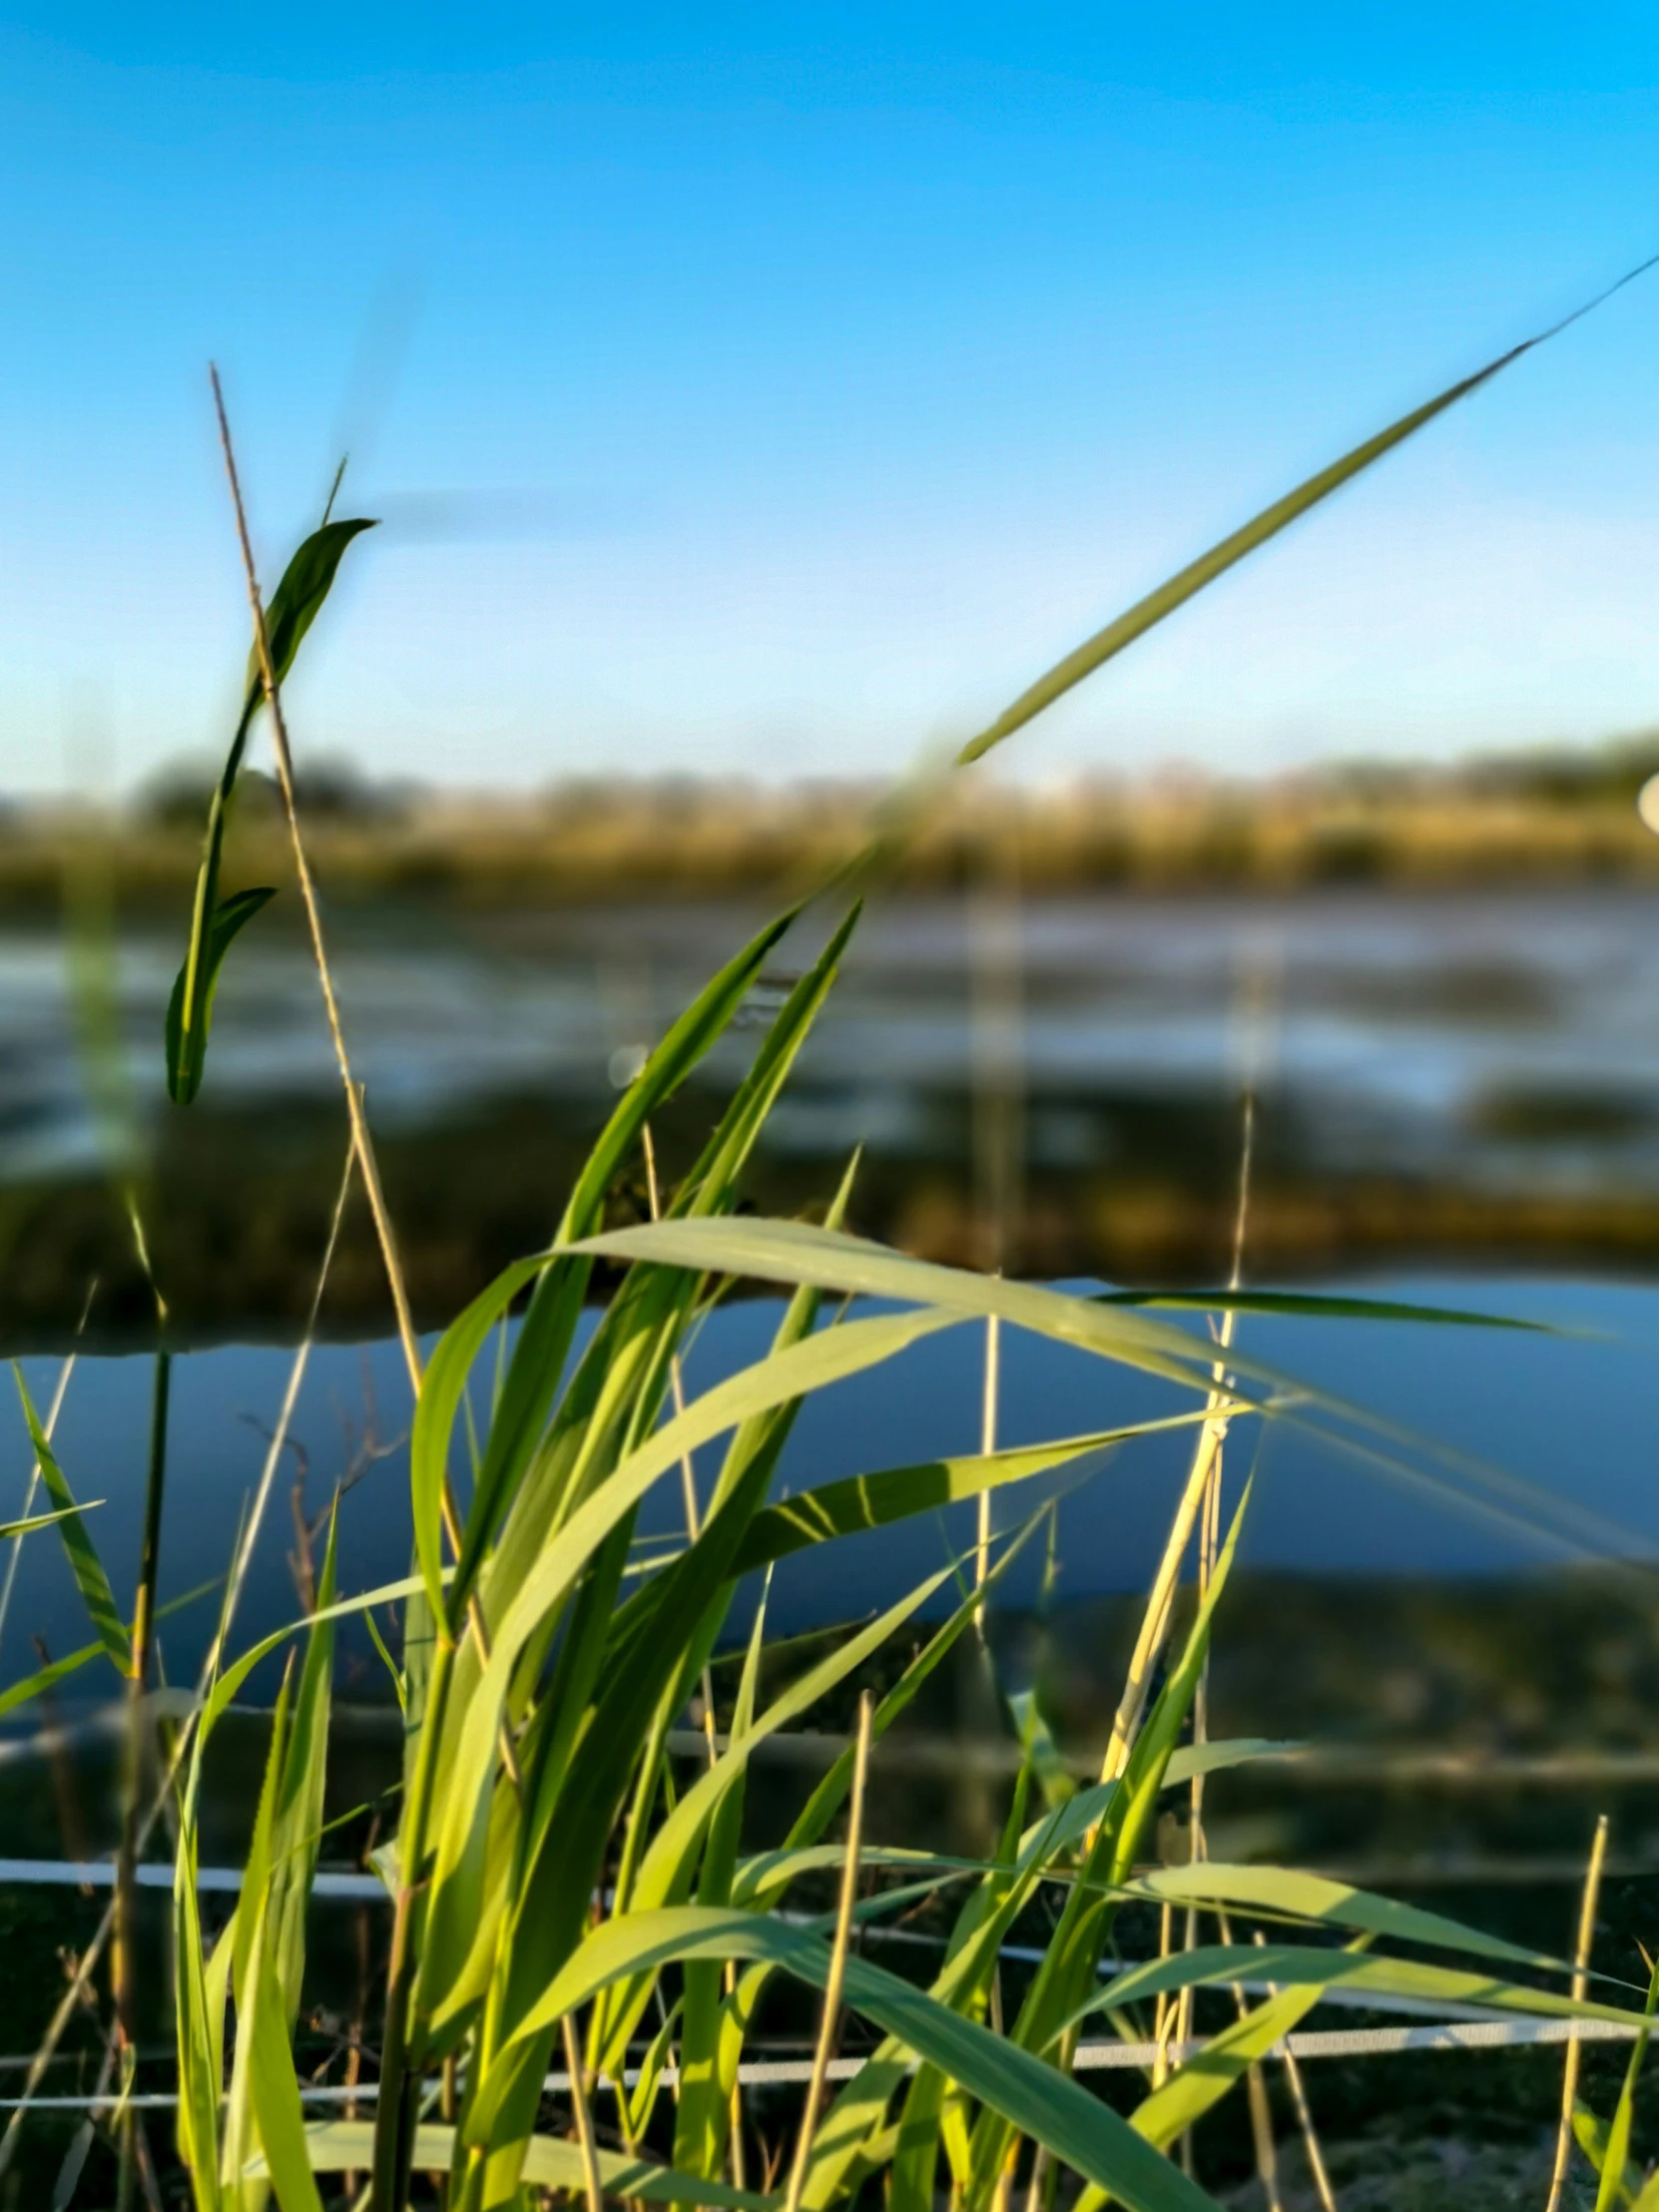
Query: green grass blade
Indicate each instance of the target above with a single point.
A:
(1355, 1973)
(795, 1251)
(345, 2146)
(306, 583)
(866, 1501)
(665, 1866)
(827, 1800)
(45, 1678)
(189, 1009)
(197, 2047)
(1592, 2136)
(274, 2086)
(46, 1520)
(84, 1562)
(1618, 2134)
(1204, 2081)
(298, 600)
(1147, 613)
(704, 2113)
(1284, 1891)
(1049, 2106)
(1319, 1305)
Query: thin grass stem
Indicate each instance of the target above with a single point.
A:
(361, 1137)
(1580, 1988)
(1305, 2117)
(837, 1965)
(988, 1445)
(584, 2119)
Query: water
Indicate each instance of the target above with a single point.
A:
(1498, 1052)
(1567, 1420)
(1483, 1039)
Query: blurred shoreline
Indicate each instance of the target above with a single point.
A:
(1454, 970)
(1549, 819)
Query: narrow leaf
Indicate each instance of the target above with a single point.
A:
(84, 1562)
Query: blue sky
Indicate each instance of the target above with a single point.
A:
(815, 376)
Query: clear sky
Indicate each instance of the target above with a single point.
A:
(814, 375)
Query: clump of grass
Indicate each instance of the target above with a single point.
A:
(556, 1887)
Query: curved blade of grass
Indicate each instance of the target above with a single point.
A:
(84, 1562)
(1082, 2132)
(1311, 1896)
(797, 1252)
(1206, 2077)
(306, 583)
(864, 1502)
(1189, 581)
(345, 2146)
(702, 2117)
(44, 1678)
(46, 1520)
(827, 1800)
(1304, 1966)
(1615, 2161)
(187, 1039)
(763, 1878)
(1592, 2136)
(297, 601)
(1319, 1305)
(664, 1864)
(297, 1830)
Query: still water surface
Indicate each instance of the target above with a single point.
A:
(1568, 1419)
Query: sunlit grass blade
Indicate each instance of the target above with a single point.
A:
(704, 2115)
(1319, 1305)
(1082, 2132)
(85, 1564)
(866, 1501)
(1201, 2084)
(795, 1251)
(1147, 613)
(47, 1677)
(1353, 1972)
(1617, 2157)
(1288, 1892)
(1593, 2135)
(341, 2146)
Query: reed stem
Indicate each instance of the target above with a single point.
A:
(1580, 1986)
(837, 1965)
(360, 1138)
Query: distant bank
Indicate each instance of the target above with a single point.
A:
(1563, 818)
